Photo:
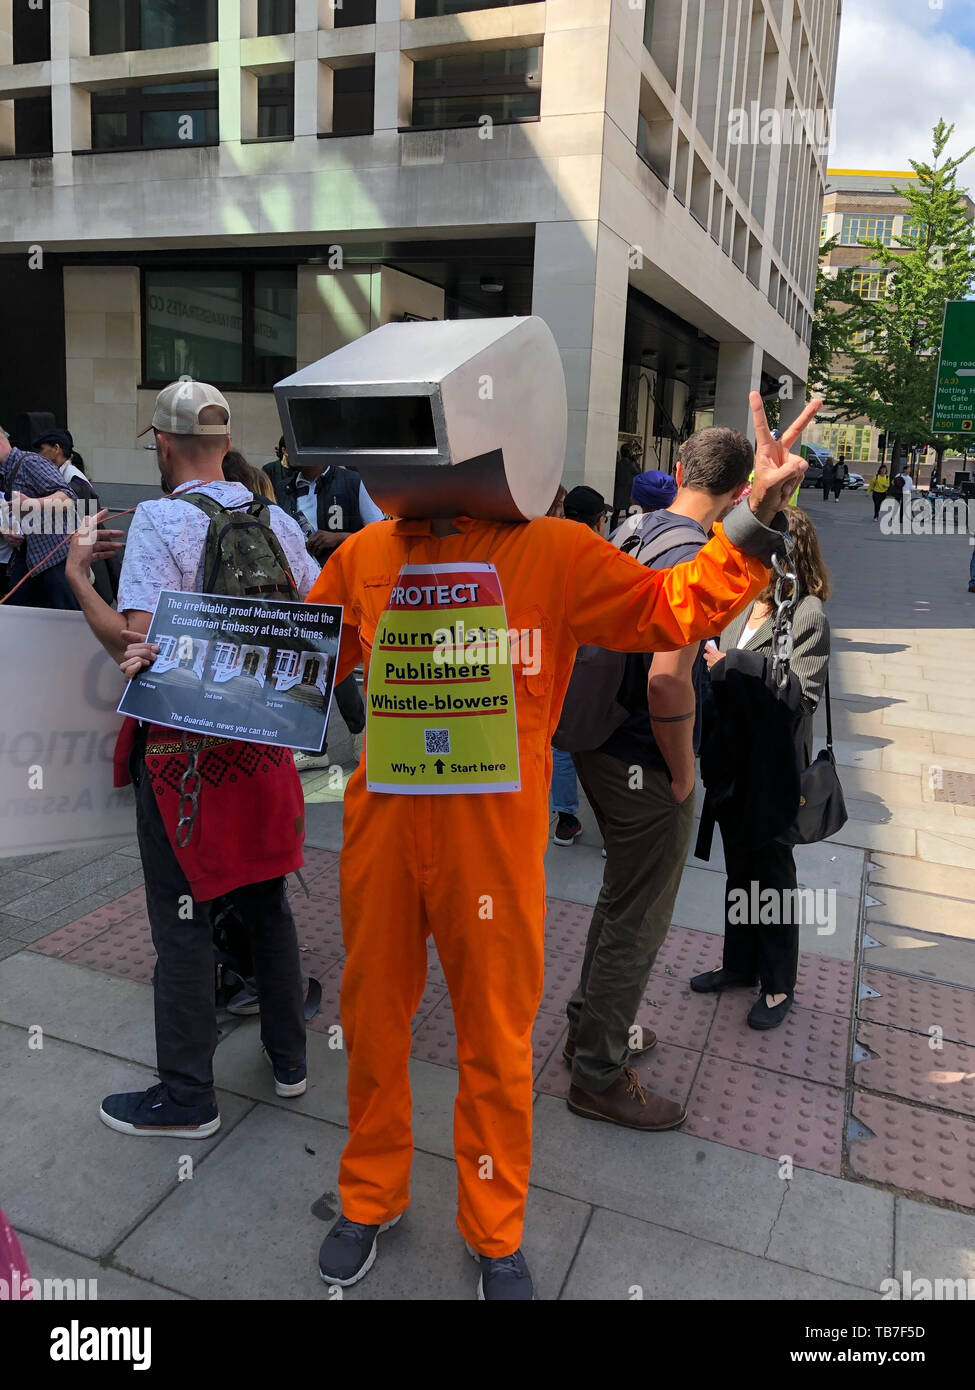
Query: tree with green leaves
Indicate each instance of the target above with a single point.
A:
(893, 364)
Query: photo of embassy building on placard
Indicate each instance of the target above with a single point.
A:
(252, 676)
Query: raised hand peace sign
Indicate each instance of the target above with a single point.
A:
(778, 471)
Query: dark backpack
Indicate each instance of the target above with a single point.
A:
(242, 557)
(592, 709)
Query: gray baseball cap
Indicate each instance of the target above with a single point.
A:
(178, 409)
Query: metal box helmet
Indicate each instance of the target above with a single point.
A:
(460, 417)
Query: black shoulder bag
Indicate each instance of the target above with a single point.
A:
(822, 810)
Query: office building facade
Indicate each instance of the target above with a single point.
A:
(232, 188)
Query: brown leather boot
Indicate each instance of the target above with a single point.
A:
(627, 1103)
(648, 1040)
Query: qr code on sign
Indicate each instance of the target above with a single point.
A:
(436, 740)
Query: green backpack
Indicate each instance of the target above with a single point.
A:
(243, 557)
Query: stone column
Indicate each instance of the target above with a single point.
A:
(579, 289)
(739, 372)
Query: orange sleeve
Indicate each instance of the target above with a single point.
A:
(332, 586)
(613, 601)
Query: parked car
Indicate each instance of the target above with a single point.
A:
(854, 480)
(815, 455)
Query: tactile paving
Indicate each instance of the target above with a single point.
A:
(917, 1150)
(904, 1001)
(67, 938)
(906, 1066)
(124, 949)
(665, 1069)
(807, 1044)
(436, 1040)
(824, 984)
(561, 977)
(767, 1113)
(686, 953)
(675, 1013)
(566, 926)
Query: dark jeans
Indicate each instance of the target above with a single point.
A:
(184, 980)
(647, 836)
(837, 489)
(750, 949)
(878, 498)
(49, 589)
(348, 697)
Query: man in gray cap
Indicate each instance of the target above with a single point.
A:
(165, 550)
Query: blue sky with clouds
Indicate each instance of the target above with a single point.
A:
(902, 64)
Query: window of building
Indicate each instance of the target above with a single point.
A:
(853, 441)
(863, 337)
(276, 106)
(286, 663)
(32, 125)
(866, 283)
(859, 227)
(456, 91)
(910, 230)
(155, 117)
(648, 25)
(116, 26)
(822, 228)
(234, 328)
(427, 8)
(349, 12)
(32, 32)
(275, 17)
(353, 99)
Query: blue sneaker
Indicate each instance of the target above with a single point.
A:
(348, 1252)
(288, 1081)
(154, 1112)
(505, 1279)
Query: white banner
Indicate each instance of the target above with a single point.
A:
(58, 695)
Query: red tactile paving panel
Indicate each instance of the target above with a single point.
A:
(825, 984)
(807, 1044)
(767, 1113)
(566, 927)
(917, 1150)
(907, 1067)
(318, 862)
(665, 1069)
(561, 977)
(436, 1039)
(686, 953)
(318, 922)
(67, 938)
(675, 1013)
(125, 949)
(908, 1002)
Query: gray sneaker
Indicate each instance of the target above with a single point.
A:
(349, 1251)
(505, 1279)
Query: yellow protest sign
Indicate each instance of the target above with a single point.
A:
(441, 701)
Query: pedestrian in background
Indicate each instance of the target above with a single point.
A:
(587, 506)
(757, 742)
(829, 476)
(236, 469)
(43, 551)
(840, 474)
(640, 784)
(879, 485)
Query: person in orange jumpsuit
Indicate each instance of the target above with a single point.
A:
(468, 869)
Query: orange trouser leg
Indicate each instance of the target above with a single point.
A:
(487, 914)
(386, 964)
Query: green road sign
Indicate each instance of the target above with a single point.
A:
(954, 398)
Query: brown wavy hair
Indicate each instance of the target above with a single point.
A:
(807, 560)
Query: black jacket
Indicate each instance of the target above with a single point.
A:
(757, 739)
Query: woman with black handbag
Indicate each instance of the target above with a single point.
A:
(756, 753)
